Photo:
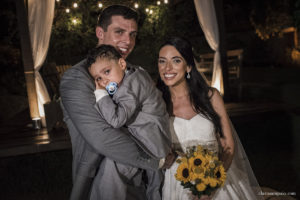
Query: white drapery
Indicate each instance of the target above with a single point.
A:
(40, 18)
(208, 21)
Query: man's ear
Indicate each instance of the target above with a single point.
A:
(99, 33)
(89, 69)
(122, 63)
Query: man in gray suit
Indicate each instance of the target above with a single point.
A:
(107, 163)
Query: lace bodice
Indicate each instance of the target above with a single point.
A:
(195, 131)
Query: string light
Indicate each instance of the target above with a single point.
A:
(100, 5)
(74, 21)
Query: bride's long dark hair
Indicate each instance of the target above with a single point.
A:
(197, 87)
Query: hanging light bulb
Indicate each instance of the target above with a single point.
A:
(57, 0)
(75, 5)
(165, 1)
(100, 5)
(150, 11)
(147, 9)
(67, 10)
(136, 5)
(158, 3)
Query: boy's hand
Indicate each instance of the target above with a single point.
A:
(170, 159)
(98, 85)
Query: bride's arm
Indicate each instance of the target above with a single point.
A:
(226, 140)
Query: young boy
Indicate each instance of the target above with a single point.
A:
(130, 99)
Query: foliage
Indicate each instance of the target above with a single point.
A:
(70, 41)
(297, 14)
(11, 71)
(10, 56)
(269, 18)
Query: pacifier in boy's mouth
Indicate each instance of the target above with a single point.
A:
(111, 88)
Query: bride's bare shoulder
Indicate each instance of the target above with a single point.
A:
(216, 98)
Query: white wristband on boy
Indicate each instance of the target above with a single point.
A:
(100, 93)
(161, 163)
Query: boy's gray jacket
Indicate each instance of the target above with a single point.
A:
(138, 104)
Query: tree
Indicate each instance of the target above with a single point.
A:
(10, 57)
(270, 17)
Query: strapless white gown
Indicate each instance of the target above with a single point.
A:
(195, 131)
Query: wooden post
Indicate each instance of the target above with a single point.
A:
(27, 58)
(296, 38)
(222, 33)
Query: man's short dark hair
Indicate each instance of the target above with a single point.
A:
(103, 52)
(104, 19)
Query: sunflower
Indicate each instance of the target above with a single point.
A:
(213, 182)
(197, 161)
(198, 173)
(205, 180)
(211, 161)
(200, 187)
(199, 149)
(211, 164)
(183, 172)
(220, 174)
(182, 160)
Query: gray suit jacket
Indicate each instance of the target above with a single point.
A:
(92, 138)
(139, 105)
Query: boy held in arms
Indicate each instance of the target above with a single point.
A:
(130, 99)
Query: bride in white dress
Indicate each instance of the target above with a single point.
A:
(199, 117)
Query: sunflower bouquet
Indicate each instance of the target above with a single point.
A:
(200, 170)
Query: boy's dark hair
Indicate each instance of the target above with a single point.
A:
(103, 51)
(104, 19)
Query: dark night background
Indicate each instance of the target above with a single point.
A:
(270, 75)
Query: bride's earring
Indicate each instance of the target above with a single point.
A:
(188, 76)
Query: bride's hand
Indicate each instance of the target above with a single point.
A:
(204, 197)
(226, 155)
